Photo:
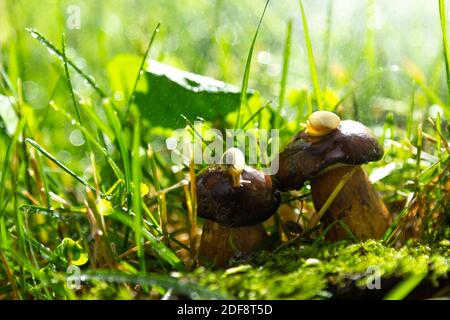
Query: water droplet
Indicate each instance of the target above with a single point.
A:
(51, 51)
(76, 137)
(34, 34)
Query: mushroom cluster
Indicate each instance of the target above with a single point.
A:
(323, 154)
(234, 199)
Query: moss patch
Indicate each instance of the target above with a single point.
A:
(302, 271)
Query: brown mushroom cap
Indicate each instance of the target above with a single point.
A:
(305, 157)
(252, 202)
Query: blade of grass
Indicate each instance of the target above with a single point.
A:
(311, 62)
(284, 73)
(193, 211)
(405, 287)
(5, 243)
(35, 145)
(53, 50)
(137, 178)
(160, 248)
(445, 42)
(438, 140)
(347, 230)
(118, 172)
(327, 40)
(316, 218)
(9, 151)
(387, 237)
(177, 285)
(419, 149)
(100, 123)
(253, 116)
(69, 82)
(144, 59)
(244, 87)
(90, 153)
(118, 132)
(410, 120)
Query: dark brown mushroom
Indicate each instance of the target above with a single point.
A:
(234, 204)
(324, 160)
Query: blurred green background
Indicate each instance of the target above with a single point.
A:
(378, 55)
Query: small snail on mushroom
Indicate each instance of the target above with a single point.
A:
(323, 154)
(234, 199)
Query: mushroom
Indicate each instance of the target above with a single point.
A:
(234, 199)
(324, 153)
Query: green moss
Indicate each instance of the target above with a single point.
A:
(318, 271)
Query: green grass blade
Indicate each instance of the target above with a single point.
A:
(117, 171)
(51, 48)
(35, 145)
(244, 87)
(118, 132)
(327, 40)
(144, 59)
(190, 289)
(445, 42)
(137, 178)
(257, 112)
(284, 73)
(160, 248)
(311, 62)
(69, 82)
(405, 287)
(438, 140)
(100, 123)
(9, 151)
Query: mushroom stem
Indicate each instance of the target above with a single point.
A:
(357, 204)
(219, 244)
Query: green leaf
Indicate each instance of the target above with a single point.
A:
(72, 252)
(174, 92)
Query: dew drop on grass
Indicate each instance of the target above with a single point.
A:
(76, 137)
(34, 34)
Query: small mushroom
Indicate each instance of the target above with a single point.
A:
(234, 199)
(323, 154)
